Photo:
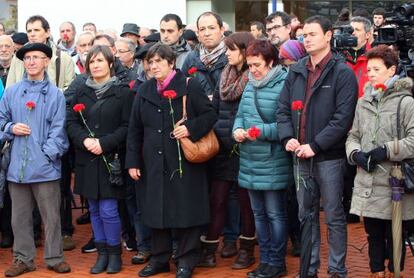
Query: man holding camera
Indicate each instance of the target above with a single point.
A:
(356, 59)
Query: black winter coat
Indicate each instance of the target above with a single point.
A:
(225, 164)
(109, 123)
(330, 110)
(208, 77)
(169, 201)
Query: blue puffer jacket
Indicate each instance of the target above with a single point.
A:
(47, 141)
(264, 163)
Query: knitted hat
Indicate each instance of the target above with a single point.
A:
(292, 50)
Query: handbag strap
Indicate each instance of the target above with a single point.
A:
(184, 117)
(396, 142)
(256, 103)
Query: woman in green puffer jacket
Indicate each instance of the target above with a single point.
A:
(265, 167)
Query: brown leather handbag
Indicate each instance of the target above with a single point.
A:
(202, 150)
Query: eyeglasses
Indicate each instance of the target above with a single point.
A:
(123, 51)
(33, 58)
(275, 28)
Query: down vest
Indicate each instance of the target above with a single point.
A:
(264, 163)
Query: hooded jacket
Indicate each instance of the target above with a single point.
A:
(42, 149)
(372, 192)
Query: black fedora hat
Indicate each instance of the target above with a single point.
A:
(131, 28)
(34, 47)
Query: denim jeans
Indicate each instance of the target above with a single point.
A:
(270, 216)
(106, 224)
(231, 229)
(329, 181)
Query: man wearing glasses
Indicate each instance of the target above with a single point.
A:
(278, 28)
(32, 115)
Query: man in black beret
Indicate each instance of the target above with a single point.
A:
(32, 114)
(19, 40)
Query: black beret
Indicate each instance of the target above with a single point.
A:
(155, 37)
(20, 38)
(190, 35)
(143, 50)
(34, 47)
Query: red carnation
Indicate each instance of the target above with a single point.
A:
(170, 94)
(254, 132)
(79, 107)
(297, 105)
(380, 87)
(131, 84)
(192, 70)
(30, 105)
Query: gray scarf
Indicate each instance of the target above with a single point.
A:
(378, 95)
(101, 88)
(272, 74)
(210, 58)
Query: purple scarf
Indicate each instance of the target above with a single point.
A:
(162, 85)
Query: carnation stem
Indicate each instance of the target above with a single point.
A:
(91, 134)
(180, 168)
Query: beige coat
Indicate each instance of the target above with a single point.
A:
(67, 72)
(372, 193)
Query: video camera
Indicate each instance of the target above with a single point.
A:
(400, 34)
(343, 39)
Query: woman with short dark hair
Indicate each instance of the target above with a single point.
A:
(373, 146)
(174, 192)
(265, 166)
(98, 141)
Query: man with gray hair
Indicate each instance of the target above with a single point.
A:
(83, 44)
(356, 56)
(278, 28)
(6, 55)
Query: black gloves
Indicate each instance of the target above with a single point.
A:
(361, 159)
(379, 154)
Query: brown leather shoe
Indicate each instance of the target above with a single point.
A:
(62, 267)
(18, 268)
(391, 275)
(229, 250)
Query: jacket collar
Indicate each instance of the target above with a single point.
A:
(301, 68)
(38, 86)
(178, 84)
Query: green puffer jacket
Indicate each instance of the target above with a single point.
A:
(372, 192)
(264, 163)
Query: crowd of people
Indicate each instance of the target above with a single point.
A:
(301, 126)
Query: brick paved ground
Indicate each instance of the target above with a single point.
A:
(357, 260)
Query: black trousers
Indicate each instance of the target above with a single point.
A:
(189, 246)
(349, 178)
(380, 243)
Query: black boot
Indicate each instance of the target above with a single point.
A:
(114, 259)
(208, 257)
(102, 260)
(245, 257)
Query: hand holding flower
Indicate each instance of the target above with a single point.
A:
(292, 145)
(20, 129)
(304, 151)
(239, 135)
(96, 147)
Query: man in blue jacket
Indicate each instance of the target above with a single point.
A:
(316, 132)
(32, 117)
